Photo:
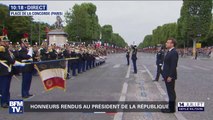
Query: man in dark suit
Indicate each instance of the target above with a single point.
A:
(170, 73)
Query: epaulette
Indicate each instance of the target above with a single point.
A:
(2, 49)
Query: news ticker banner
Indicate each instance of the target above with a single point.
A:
(32, 10)
(20, 106)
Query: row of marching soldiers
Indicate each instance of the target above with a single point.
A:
(16, 58)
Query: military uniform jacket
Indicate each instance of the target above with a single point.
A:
(53, 55)
(83, 57)
(44, 54)
(127, 54)
(6, 61)
(134, 54)
(66, 54)
(88, 57)
(73, 54)
(80, 57)
(159, 57)
(23, 57)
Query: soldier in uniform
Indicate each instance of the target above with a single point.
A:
(36, 54)
(79, 62)
(44, 51)
(73, 62)
(127, 56)
(25, 55)
(93, 59)
(87, 59)
(53, 55)
(15, 51)
(60, 53)
(134, 58)
(159, 62)
(83, 60)
(66, 54)
(6, 62)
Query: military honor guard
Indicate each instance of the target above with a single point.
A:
(25, 56)
(159, 61)
(20, 57)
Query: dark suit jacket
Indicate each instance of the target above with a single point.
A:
(170, 65)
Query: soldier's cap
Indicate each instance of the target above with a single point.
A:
(4, 38)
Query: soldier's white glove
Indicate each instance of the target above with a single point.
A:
(160, 64)
(30, 52)
(19, 64)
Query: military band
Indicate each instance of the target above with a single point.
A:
(16, 59)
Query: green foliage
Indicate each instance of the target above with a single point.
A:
(107, 32)
(195, 23)
(195, 20)
(146, 42)
(160, 35)
(82, 23)
(118, 40)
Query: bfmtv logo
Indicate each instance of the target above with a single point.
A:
(16, 106)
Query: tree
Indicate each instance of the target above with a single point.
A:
(82, 23)
(160, 35)
(195, 20)
(118, 40)
(107, 32)
(146, 42)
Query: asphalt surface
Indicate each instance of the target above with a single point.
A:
(194, 83)
(109, 81)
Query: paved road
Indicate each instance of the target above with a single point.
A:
(195, 81)
(115, 81)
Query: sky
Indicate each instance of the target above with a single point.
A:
(133, 20)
